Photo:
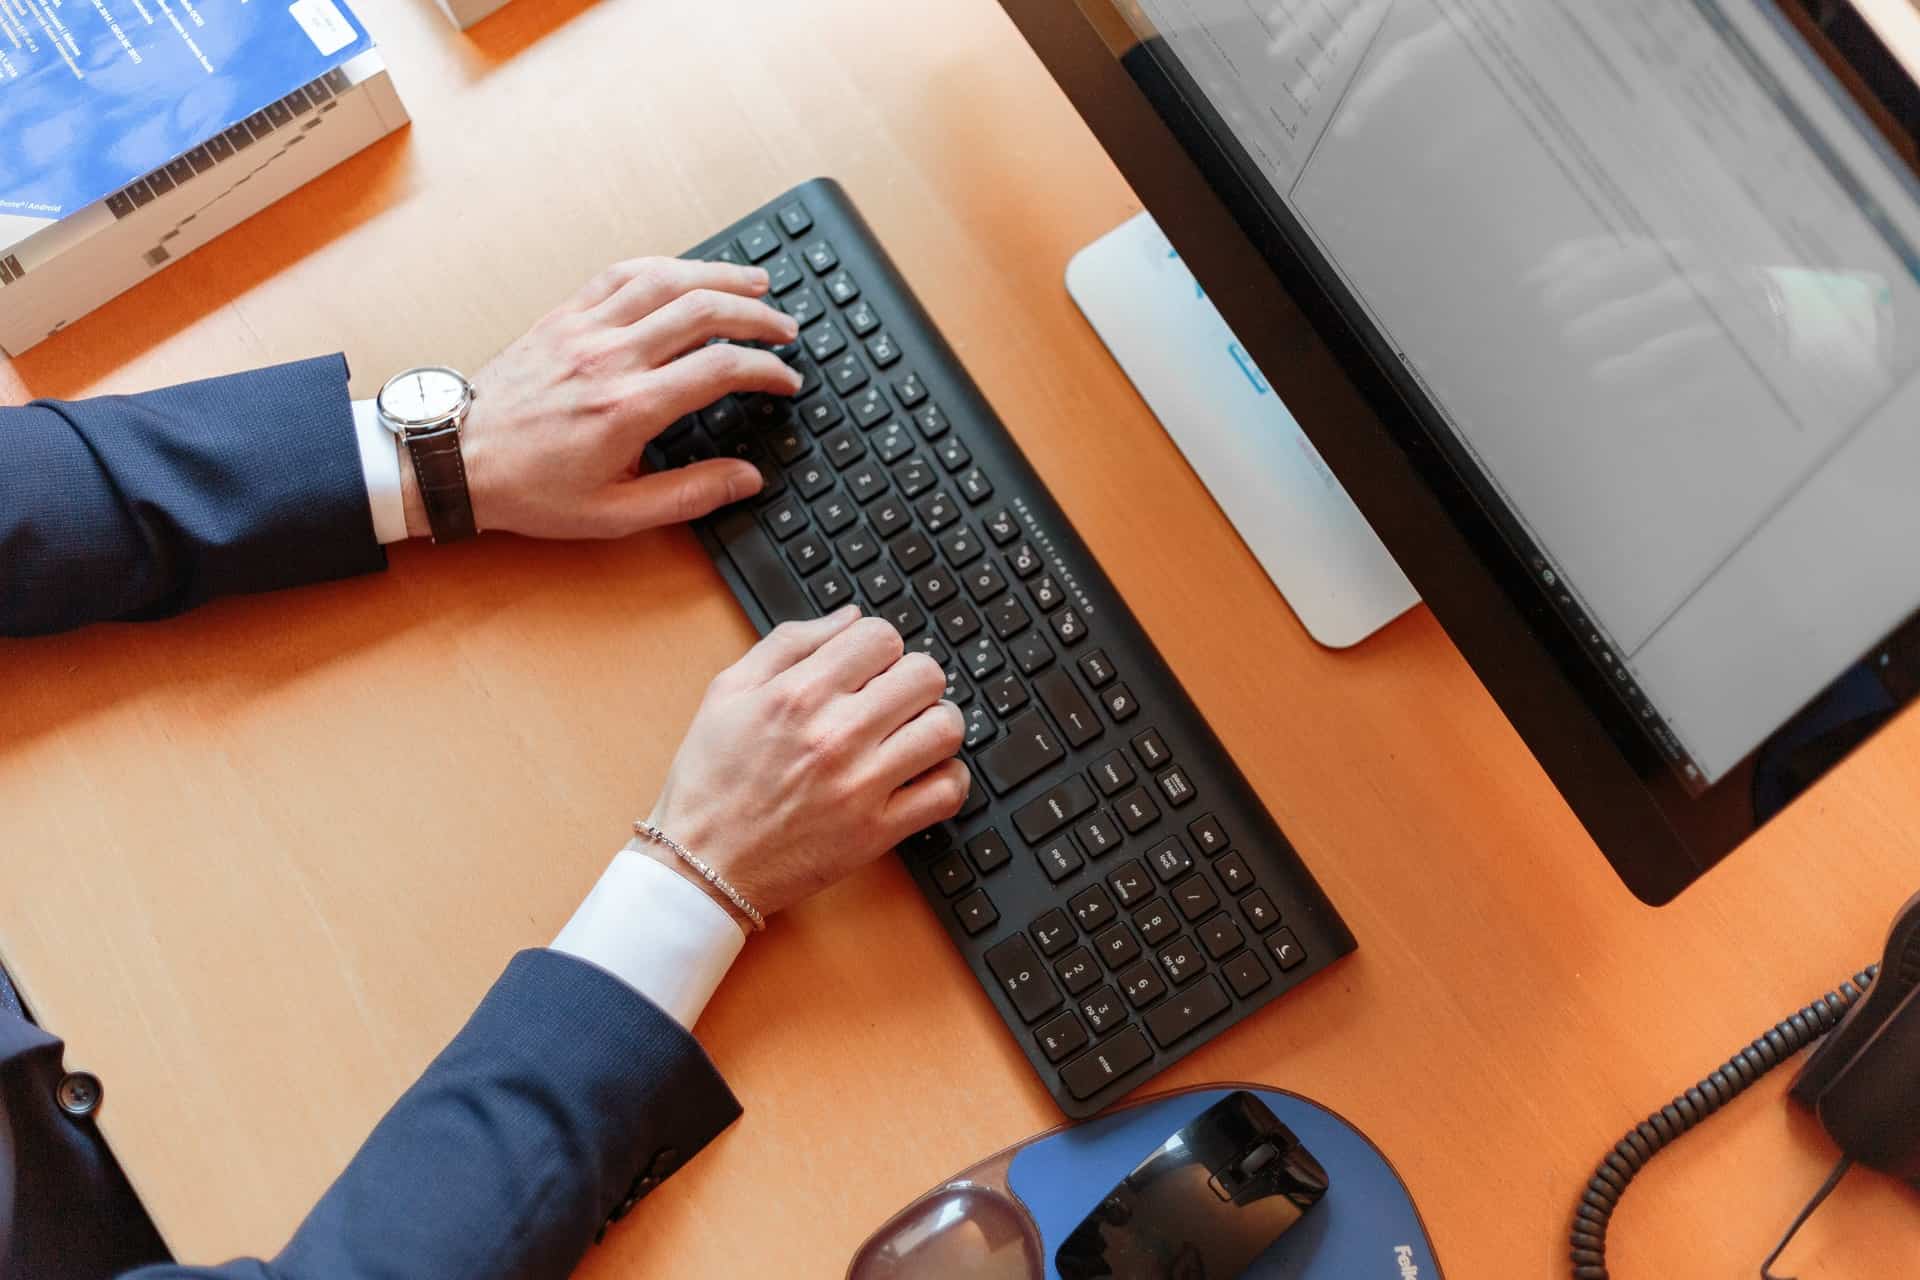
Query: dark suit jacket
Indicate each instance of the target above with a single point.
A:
(566, 1098)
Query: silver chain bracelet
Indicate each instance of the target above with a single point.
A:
(647, 831)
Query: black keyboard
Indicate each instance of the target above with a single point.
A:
(1113, 882)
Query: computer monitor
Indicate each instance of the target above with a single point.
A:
(1608, 317)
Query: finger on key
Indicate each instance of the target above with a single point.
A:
(694, 319)
(922, 743)
(846, 662)
(932, 797)
(897, 695)
(787, 645)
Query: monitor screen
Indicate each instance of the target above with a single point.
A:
(1651, 279)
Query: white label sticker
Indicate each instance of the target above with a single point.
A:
(324, 24)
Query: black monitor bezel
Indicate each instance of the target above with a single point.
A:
(1357, 409)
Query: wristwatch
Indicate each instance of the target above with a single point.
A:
(426, 408)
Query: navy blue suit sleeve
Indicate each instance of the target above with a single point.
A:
(135, 507)
(567, 1096)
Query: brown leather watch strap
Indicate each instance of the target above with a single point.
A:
(442, 474)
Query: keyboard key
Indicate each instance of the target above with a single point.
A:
(1116, 946)
(1142, 983)
(959, 692)
(1025, 561)
(932, 422)
(1070, 710)
(1180, 960)
(1061, 1036)
(1008, 617)
(952, 454)
(1098, 835)
(1260, 911)
(783, 273)
(1053, 931)
(1137, 810)
(1169, 859)
(820, 413)
(1077, 970)
(1105, 1063)
(830, 590)
(980, 728)
(1022, 978)
(977, 797)
(1221, 936)
(1047, 594)
(1156, 922)
(914, 476)
(1245, 973)
(785, 518)
(912, 552)
(1029, 747)
(821, 257)
(844, 446)
(1152, 749)
(910, 391)
(989, 851)
(1002, 527)
(1112, 774)
(1054, 809)
(1186, 1012)
(880, 584)
(890, 517)
(952, 874)
(1130, 883)
(1097, 669)
(1005, 695)
(866, 482)
(824, 341)
(906, 617)
(1059, 859)
(795, 218)
(1119, 703)
(808, 554)
(847, 374)
(1102, 1010)
(857, 549)
(962, 548)
(1174, 785)
(975, 912)
(984, 583)
(957, 622)
(788, 444)
(892, 443)
(1208, 835)
(804, 306)
(1030, 653)
(982, 658)
(723, 416)
(759, 241)
(862, 319)
(1092, 908)
(935, 587)
(1195, 897)
(882, 350)
(1067, 625)
(1286, 949)
(834, 513)
(1234, 874)
(841, 288)
(975, 487)
(937, 511)
(868, 408)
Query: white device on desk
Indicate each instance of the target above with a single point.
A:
(1238, 435)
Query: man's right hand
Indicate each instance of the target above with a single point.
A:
(820, 750)
(553, 441)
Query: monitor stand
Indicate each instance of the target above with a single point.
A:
(1246, 447)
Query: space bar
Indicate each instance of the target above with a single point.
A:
(758, 561)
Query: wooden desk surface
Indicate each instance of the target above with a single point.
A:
(225, 896)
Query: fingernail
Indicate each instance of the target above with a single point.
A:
(759, 276)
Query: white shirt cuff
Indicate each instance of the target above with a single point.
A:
(658, 932)
(380, 465)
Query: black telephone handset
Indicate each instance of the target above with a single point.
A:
(1204, 1205)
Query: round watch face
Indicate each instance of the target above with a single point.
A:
(421, 396)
